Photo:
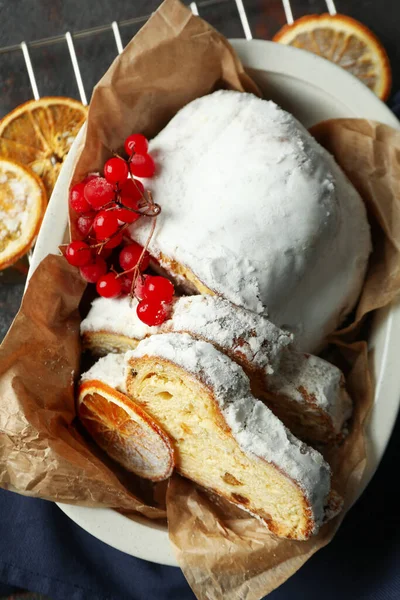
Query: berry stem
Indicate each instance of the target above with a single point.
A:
(106, 240)
(136, 269)
(154, 208)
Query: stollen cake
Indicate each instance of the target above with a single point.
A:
(255, 210)
(224, 438)
(309, 395)
(306, 392)
(112, 325)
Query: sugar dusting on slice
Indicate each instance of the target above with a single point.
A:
(231, 327)
(322, 383)
(255, 428)
(213, 318)
(110, 370)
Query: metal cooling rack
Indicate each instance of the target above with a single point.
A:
(114, 28)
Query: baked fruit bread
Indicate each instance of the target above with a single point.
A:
(224, 438)
(309, 395)
(259, 213)
(119, 425)
(306, 392)
(112, 325)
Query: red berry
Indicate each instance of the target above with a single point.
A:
(109, 286)
(136, 143)
(98, 192)
(126, 283)
(152, 313)
(131, 192)
(85, 222)
(130, 255)
(142, 165)
(158, 289)
(77, 199)
(125, 215)
(138, 287)
(105, 224)
(78, 254)
(116, 170)
(104, 252)
(115, 241)
(90, 177)
(94, 270)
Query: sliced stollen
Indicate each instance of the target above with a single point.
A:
(306, 392)
(112, 325)
(309, 395)
(119, 425)
(224, 438)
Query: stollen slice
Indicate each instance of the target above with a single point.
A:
(112, 325)
(309, 395)
(225, 439)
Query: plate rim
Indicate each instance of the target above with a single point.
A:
(147, 540)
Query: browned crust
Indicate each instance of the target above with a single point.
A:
(91, 340)
(222, 424)
(96, 386)
(278, 404)
(180, 270)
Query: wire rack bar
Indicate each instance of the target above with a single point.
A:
(330, 5)
(29, 68)
(117, 35)
(84, 33)
(288, 12)
(76, 68)
(196, 8)
(244, 20)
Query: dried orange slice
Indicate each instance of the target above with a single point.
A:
(40, 133)
(122, 429)
(23, 201)
(346, 42)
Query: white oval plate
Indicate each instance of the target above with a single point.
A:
(313, 90)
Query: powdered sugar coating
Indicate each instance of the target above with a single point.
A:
(252, 336)
(116, 315)
(231, 327)
(109, 369)
(259, 212)
(255, 428)
(302, 374)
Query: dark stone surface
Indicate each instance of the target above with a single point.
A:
(31, 20)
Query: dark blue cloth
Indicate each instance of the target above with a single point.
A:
(42, 550)
(395, 104)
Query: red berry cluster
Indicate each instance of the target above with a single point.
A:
(106, 206)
